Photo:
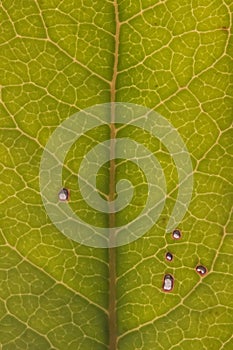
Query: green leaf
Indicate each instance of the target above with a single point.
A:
(60, 57)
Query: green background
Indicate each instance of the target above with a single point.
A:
(56, 58)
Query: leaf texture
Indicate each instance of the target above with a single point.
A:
(59, 57)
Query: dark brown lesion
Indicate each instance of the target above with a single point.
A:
(225, 28)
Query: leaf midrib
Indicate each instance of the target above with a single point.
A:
(112, 326)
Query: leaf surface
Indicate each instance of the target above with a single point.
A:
(59, 57)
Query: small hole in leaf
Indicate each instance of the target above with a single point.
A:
(201, 270)
(176, 234)
(168, 283)
(169, 256)
(63, 195)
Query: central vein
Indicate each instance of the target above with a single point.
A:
(112, 175)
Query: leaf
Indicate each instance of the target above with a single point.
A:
(58, 58)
